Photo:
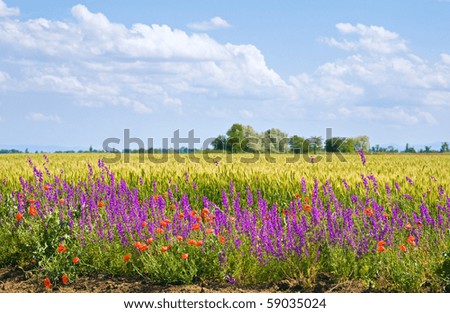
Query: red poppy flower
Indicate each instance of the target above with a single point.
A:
(210, 231)
(32, 210)
(167, 221)
(184, 256)
(19, 216)
(192, 242)
(31, 201)
(47, 283)
(100, 204)
(297, 195)
(381, 249)
(179, 238)
(127, 257)
(155, 197)
(411, 240)
(408, 226)
(368, 211)
(46, 187)
(403, 248)
(222, 239)
(381, 243)
(140, 246)
(165, 249)
(61, 201)
(419, 224)
(196, 226)
(61, 248)
(150, 240)
(76, 260)
(199, 243)
(181, 215)
(144, 224)
(65, 279)
(163, 224)
(205, 212)
(193, 213)
(307, 208)
(306, 199)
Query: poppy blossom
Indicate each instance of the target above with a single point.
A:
(199, 243)
(179, 238)
(205, 212)
(150, 240)
(306, 199)
(155, 197)
(140, 246)
(222, 239)
(167, 221)
(193, 213)
(403, 248)
(184, 256)
(19, 216)
(127, 257)
(381, 243)
(368, 211)
(411, 240)
(192, 242)
(307, 208)
(46, 187)
(144, 224)
(65, 279)
(100, 204)
(419, 224)
(31, 201)
(209, 231)
(297, 195)
(163, 224)
(61, 248)
(381, 249)
(386, 215)
(47, 283)
(196, 226)
(76, 260)
(159, 231)
(181, 215)
(32, 210)
(61, 201)
(165, 248)
(408, 226)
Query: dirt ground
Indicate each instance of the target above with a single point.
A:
(16, 280)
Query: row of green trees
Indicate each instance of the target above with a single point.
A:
(243, 138)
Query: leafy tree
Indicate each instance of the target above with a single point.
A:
(339, 144)
(409, 149)
(296, 143)
(362, 142)
(315, 143)
(444, 147)
(235, 138)
(274, 140)
(219, 143)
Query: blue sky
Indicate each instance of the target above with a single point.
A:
(73, 73)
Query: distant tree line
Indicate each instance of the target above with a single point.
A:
(243, 138)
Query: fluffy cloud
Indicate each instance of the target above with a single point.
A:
(379, 68)
(141, 66)
(7, 11)
(40, 117)
(374, 39)
(215, 22)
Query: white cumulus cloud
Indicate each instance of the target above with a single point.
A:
(7, 11)
(143, 66)
(215, 22)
